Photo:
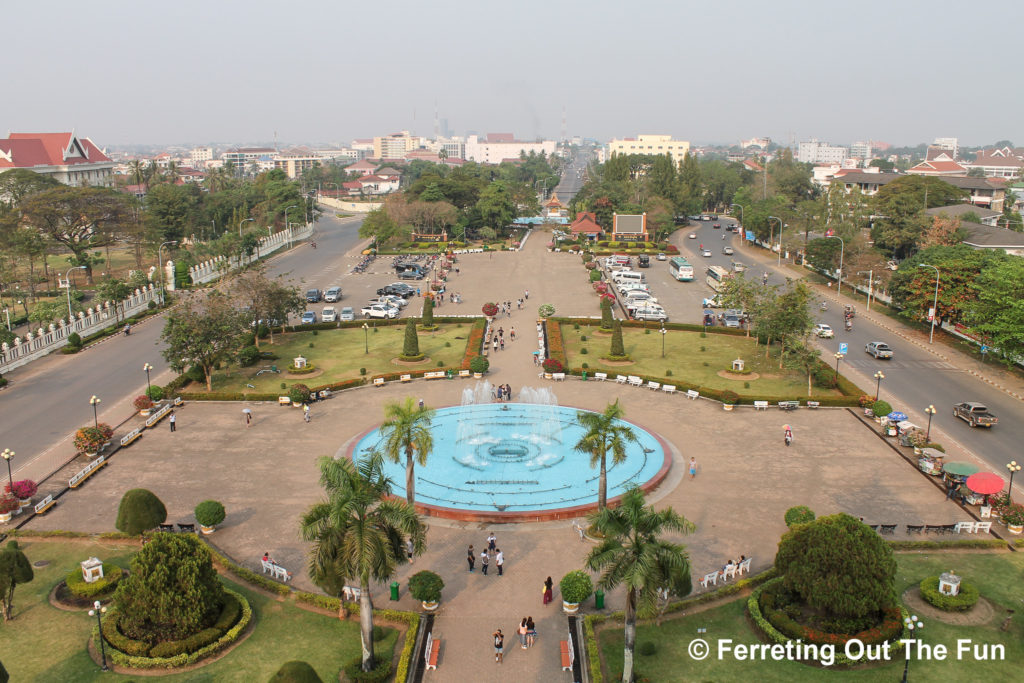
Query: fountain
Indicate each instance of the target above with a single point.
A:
(516, 461)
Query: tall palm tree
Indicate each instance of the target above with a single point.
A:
(137, 170)
(634, 555)
(407, 432)
(359, 531)
(604, 432)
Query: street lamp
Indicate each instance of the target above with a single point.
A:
(772, 234)
(1012, 466)
(842, 250)
(293, 206)
(8, 454)
(839, 357)
(147, 367)
(67, 282)
(928, 433)
(742, 233)
(879, 376)
(366, 337)
(663, 333)
(935, 302)
(244, 220)
(94, 401)
(160, 265)
(871, 284)
(97, 611)
(911, 623)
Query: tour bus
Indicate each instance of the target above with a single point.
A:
(717, 275)
(680, 269)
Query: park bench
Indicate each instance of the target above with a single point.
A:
(177, 401)
(131, 436)
(982, 526)
(283, 401)
(158, 415)
(405, 378)
(760, 405)
(166, 527)
(813, 404)
(45, 504)
(280, 572)
(434, 375)
(464, 373)
(789, 405)
(432, 651)
(378, 381)
(654, 386)
(351, 593)
(692, 394)
(601, 376)
(937, 528)
(565, 650)
(668, 388)
(887, 529)
(87, 472)
(620, 379)
(965, 526)
(915, 528)
(558, 376)
(729, 572)
(186, 528)
(635, 381)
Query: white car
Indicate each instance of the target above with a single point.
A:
(626, 287)
(329, 314)
(379, 311)
(662, 257)
(640, 297)
(693, 235)
(706, 253)
(396, 301)
(727, 251)
(824, 331)
(656, 313)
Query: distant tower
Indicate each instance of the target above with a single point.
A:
(275, 142)
(437, 123)
(565, 127)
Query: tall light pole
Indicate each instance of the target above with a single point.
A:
(244, 220)
(928, 433)
(842, 251)
(911, 623)
(147, 367)
(663, 333)
(1012, 466)
(67, 282)
(839, 357)
(772, 234)
(935, 301)
(8, 454)
(879, 376)
(366, 337)
(97, 611)
(95, 401)
(160, 265)
(871, 284)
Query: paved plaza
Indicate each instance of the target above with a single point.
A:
(266, 477)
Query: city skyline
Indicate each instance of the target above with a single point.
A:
(317, 72)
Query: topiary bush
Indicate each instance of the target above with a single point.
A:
(140, 510)
(155, 392)
(965, 600)
(479, 364)
(380, 672)
(576, 586)
(730, 397)
(296, 671)
(426, 586)
(78, 586)
(800, 514)
(299, 393)
(880, 409)
(209, 513)
(411, 346)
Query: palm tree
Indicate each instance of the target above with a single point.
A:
(407, 432)
(604, 432)
(137, 171)
(359, 531)
(633, 554)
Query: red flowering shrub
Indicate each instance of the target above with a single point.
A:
(490, 309)
(552, 365)
(26, 488)
(143, 403)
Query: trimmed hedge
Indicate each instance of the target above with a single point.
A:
(381, 670)
(967, 598)
(966, 544)
(77, 585)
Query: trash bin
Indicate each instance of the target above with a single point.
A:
(599, 599)
(584, 375)
(394, 590)
(451, 374)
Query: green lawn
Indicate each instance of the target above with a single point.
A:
(43, 643)
(996, 575)
(690, 358)
(340, 353)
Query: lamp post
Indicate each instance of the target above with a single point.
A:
(928, 433)
(935, 301)
(8, 454)
(366, 337)
(147, 367)
(95, 401)
(67, 282)
(879, 376)
(1012, 466)
(772, 234)
(842, 250)
(663, 333)
(244, 220)
(871, 284)
(911, 623)
(160, 265)
(97, 611)
(839, 357)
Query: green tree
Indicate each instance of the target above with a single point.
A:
(823, 253)
(411, 345)
(634, 554)
(837, 564)
(618, 349)
(266, 299)
(792, 314)
(172, 592)
(604, 433)
(800, 355)
(140, 510)
(115, 291)
(606, 313)
(359, 531)
(428, 313)
(998, 313)
(739, 292)
(173, 210)
(14, 569)
(901, 203)
(18, 183)
(203, 334)
(495, 206)
(406, 433)
(381, 227)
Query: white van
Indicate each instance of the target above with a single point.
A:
(627, 276)
(617, 260)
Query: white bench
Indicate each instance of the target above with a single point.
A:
(620, 379)
(405, 378)
(434, 375)
(692, 394)
(432, 651)
(378, 381)
(131, 436)
(653, 385)
(965, 526)
(45, 504)
(158, 415)
(760, 405)
(744, 566)
(464, 373)
(601, 376)
(668, 388)
(280, 572)
(813, 404)
(267, 565)
(729, 572)
(985, 527)
(87, 472)
(711, 578)
(283, 401)
(351, 593)
(635, 381)
(558, 376)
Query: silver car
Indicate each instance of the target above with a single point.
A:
(347, 314)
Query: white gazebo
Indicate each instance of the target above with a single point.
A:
(92, 569)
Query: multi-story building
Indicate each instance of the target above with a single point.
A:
(861, 150)
(62, 156)
(814, 152)
(950, 144)
(393, 146)
(496, 147)
(756, 142)
(296, 164)
(651, 144)
(244, 157)
(200, 156)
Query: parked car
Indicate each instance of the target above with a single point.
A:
(975, 414)
(716, 226)
(379, 311)
(731, 320)
(738, 266)
(662, 257)
(712, 302)
(824, 331)
(643, 261)
(878, 350)
(727, 251)
(333, 294)
(313, 296)
(329, 314)
(308, 317)
(657, 314)
(626, 287)
(397, 289)
(347, 314)
(396, 301)
(640, 297)
(412, 274)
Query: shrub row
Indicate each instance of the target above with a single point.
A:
(380, 672)
(556, 346)
(474, 344)
(248, 575)
(79, 587)
(966, 599)
(967, 543)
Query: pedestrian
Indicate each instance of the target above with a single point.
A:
(693, 467)
(499, 560)
(470, 557)
(485, 560)
(501, 332)
(512, 334)
(456, 270)
(521, 632)
(248, 417)
(409, 549)
(499, 645)
(789, 436)
(305, 412)
(421, 404)
(492, 542)
(502, 342)
(531, 632)
(548, 590)
(173, 421)
(526, 295)
(950, 489)
(495, 340)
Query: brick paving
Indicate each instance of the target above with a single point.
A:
(266, 476)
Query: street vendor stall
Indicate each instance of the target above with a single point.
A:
(957, 473)
(982, 485)
(930, 461)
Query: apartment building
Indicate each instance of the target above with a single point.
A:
(650, 144)
(497, 147)
(815, 152)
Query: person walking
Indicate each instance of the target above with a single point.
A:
(499, 560)
(788, 437)
(501, 341)
(485, 559)
(305, 412)
(512, 333)
(409, 549)
(470, 557)
(548, 590)
(248, 417)
(526, 295)
(499, 646)
(521, 632)
(531, 632)
(693, 467)
(173, 421)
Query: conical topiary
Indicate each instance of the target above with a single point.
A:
(618, 350)
(606, 313)
(428, 313)
(296, 671)
(411, 348)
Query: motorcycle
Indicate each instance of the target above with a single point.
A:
(127, 330)
(313, 244)
(849, 326)
(824, 306)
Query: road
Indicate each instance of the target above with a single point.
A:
(48, 399)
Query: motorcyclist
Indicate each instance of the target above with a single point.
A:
(849, 325)
(127, 329)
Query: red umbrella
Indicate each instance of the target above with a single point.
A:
(985, 483)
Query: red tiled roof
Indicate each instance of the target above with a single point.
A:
(939, 166)
(585, 222)
(352, 185)
(25, 150)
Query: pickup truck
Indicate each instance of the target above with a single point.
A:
(975, 414)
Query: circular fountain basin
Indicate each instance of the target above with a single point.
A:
(509, 462)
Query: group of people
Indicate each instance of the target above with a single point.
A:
(527, 632)
(732, 565)
(498, 340)
(485, 556)
(502, 392)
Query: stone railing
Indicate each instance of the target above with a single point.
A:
(37, 344)
(210, 270)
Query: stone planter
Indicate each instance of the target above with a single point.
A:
(24, 502)
(917, 451)
(547, 375)
(296, 405)
(430, 606)
(1015, 529)
(145, 413)
(727, 407)
(207, 529)
(92, 455)
(570, 607)
(5, 517)
(477, 375)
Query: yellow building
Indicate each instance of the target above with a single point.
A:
(651, 144)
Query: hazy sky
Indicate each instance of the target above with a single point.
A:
(903, 71)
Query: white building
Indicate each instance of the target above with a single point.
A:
(814, 152)
(651, 144)
(952, 144)
(861, 150)
(497, 147)
(199, 156)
